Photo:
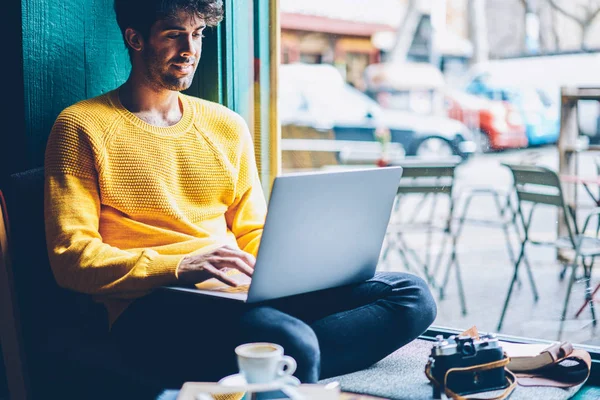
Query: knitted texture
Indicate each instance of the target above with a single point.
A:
(125, 201)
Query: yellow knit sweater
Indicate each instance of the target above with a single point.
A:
(125, 201)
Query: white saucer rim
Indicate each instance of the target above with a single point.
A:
(286, 380)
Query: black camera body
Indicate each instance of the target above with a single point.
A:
(466, 351)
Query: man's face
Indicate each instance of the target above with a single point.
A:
(172, 51)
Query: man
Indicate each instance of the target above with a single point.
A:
(147, 187)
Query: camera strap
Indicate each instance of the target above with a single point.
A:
(510, 378)
(570, 370)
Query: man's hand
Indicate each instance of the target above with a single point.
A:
(198, 268)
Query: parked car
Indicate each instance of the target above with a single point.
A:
(315, 96)
(325, 121)
(497, 125)
(429, 136)
(542, 120)
(421, 88)
(411, 95)
(549, 73)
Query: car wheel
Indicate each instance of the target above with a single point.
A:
(483, 142)
(434, 148)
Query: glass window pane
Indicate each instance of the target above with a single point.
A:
(473, 83)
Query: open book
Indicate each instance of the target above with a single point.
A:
(556, 365)
(529, 357)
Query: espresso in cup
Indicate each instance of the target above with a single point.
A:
(263, 362)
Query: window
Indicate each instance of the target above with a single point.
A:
(505, 110)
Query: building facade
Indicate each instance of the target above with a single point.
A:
(351, 34)
(337, 32)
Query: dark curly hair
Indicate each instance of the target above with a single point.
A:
(142, 14)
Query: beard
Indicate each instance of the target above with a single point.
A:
(177, 83)
(159, 76)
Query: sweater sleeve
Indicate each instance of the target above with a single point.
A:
(246, 216)
(80, 260)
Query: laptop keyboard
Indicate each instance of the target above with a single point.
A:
(231, 289)
(218, 286)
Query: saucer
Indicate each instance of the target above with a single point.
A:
(240, 380)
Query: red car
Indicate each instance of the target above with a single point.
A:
(498, 124)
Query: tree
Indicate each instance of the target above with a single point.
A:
(583, 13)
(533, 15)
(478, 30)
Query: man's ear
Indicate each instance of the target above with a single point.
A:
(134, 39)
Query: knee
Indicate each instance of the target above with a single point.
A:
(426, 302)
(416, 297)
(266, 324)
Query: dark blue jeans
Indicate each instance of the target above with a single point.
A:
(180, 337)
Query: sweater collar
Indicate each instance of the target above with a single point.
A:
(181, 126)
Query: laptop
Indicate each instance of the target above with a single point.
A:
(323, 230)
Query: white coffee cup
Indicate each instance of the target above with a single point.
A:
(263, 362)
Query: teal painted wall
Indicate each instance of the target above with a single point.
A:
(12, 138)
(238, 61)
(72, 50)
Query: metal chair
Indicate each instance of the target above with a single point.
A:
(590, 297)
(430, 180)
(507, 218)
(535, 186)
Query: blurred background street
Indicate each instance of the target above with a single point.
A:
(372, 83)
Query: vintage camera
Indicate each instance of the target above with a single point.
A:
(466, 351)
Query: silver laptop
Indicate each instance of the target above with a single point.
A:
(323, 230)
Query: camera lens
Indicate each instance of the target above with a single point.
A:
(468, 349)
